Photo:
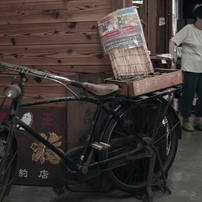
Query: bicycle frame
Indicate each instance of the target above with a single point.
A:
(72, 164)
(100, 105)
(143, 149)
(79, 167)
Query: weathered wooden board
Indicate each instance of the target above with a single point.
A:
(70, 54)
(79, 123)
(36, 164)
(50, 33)
(60, 37)
(54, 11)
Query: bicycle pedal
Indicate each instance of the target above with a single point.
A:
(100, 146)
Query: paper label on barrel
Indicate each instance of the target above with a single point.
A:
(121, 29)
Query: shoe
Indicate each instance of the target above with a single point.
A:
(198, 124)
(187, 126)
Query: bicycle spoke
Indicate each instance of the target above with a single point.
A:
(147, 121)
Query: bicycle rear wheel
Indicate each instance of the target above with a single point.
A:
(151, 119)
(7, 163)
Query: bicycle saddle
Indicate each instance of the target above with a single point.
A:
(100, 89)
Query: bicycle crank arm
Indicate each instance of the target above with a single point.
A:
(95, 169)
(120, 160)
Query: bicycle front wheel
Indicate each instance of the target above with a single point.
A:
(7, 164)
(152, 119)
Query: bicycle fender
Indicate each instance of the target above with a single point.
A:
(175, 116)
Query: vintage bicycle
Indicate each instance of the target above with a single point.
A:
(135, 145)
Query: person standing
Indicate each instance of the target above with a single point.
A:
(190, 38)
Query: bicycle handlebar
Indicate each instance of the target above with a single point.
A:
(41, 74)
(98, 89)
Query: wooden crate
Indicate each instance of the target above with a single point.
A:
(135, 86)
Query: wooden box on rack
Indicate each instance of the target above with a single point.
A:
(134, 87)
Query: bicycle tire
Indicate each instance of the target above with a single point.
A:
(133, 176)
(7, 166)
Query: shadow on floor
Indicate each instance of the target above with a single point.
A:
(184, 181)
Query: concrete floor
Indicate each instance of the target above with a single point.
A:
(184, 180)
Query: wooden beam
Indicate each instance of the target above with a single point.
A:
(152, 25)
(169, 22)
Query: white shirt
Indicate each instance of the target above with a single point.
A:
(191, 40)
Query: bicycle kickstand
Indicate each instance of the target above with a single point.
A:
(151, 176)
(163, 181)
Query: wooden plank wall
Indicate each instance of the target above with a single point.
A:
(58, 36)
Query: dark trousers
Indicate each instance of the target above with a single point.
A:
(192, 84)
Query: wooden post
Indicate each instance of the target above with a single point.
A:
(152, 21)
